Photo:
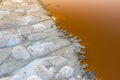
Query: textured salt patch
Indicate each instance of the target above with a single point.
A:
(20, 52)
(67, 71)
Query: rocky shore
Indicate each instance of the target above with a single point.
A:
(33, 48)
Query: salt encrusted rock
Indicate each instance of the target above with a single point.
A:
(40, 48)
(25, 31)
(43, 72)
(32, 47)
(67, 71)
(20, 52)
(36, 36)
(37, 68)
(8, 38)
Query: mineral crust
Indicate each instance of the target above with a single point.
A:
(32, 47)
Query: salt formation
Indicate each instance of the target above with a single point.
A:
(33, 48)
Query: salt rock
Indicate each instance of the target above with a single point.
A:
(25, 31)
(8, 38)
(20, 52)
(38, 26)
(43, 72)
(41, 49)
(29, 19)
(36, 36)
(67, 71)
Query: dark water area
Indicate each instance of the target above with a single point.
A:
(98, 24)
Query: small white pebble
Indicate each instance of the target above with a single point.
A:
(79, 77)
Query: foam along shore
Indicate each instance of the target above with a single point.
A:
(33, 48)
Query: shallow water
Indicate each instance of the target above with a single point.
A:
(98, 24)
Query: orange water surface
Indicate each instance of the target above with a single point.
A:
(97, 22)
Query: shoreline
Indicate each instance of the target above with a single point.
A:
(38, 45)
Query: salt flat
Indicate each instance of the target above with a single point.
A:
(32, 47)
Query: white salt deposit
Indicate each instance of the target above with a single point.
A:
(20, 52)
(67, 71)
(38, 26)
(18, 1)
(4, 12)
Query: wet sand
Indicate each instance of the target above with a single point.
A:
(98, 24)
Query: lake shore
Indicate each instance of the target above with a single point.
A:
(32, 47)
